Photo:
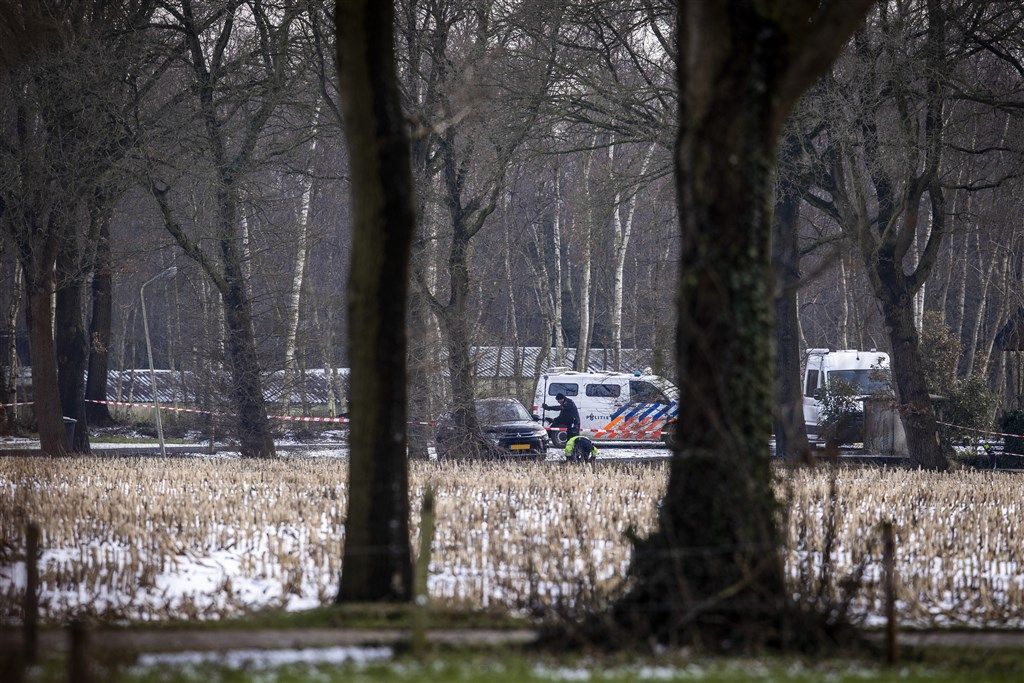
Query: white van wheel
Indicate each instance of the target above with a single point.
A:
(559, 438)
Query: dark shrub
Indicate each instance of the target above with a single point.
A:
(1012, 422)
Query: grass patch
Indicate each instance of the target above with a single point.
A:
(470, 666)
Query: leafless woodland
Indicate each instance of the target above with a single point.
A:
(208, 135)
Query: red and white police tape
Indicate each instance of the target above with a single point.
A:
(642, 431)
(287, 418)
(979, 431)
(290, 418)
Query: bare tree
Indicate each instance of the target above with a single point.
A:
(458, 141)
(233, 121)
(888, 145)
(64, 110)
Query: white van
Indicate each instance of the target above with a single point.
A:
(866, 370)
(614, 406)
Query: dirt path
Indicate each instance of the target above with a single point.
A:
(975, 640)
(218, 640)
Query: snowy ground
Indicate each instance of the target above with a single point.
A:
(329, 444)
(205, 538)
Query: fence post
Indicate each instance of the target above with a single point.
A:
(420, 591)
(889, 579)
(30, 623)
(78, 654)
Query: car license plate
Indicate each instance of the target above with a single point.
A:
(520, 446)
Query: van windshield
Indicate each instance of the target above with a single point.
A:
(496, 412)
(866, 382)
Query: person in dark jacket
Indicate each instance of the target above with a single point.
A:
(568, 415)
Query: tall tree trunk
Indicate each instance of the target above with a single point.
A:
(741, 68)
(580, 362)
(46, 404)
(623, 231)
(946, 281)
(970, 347)
(419, 368)
(662, 361)
(175, 360)
(919, 297)
(556, 262)
(324, 342)
(247, 386)
(456, 335)
(236, 334)
(421, 323)
(545, 297)
(799, 325)
(119, 355)
(299, 269)
(895, 291)
(71, 341)
(915, 405)
(842, 336)
(789, 427)
(246, 240)
(985, 354)
(958, 321)
(9, 350)
(513, 312)
(100, 322)
(377, 564)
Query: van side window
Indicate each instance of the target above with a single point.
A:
(563, 388)
(645, 392)
(603, 390)
(812, 382)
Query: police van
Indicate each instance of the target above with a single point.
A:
(614, 406)
(866, 372)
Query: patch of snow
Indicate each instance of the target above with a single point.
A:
(268, 659)
(563, 673)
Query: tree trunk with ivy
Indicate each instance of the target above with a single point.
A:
(712, 570)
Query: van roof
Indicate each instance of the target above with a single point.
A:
(826, 351)
(592, 375)
(575, 376)
(854, 360)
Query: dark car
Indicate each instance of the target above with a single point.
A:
(507, 427)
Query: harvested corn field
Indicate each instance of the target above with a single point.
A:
(195, 538)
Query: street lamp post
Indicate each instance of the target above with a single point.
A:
(169, 272)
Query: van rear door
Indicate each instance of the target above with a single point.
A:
(813, 381)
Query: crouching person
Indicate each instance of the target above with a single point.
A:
(580, 449)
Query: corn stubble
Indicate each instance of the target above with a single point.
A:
(116, 533)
